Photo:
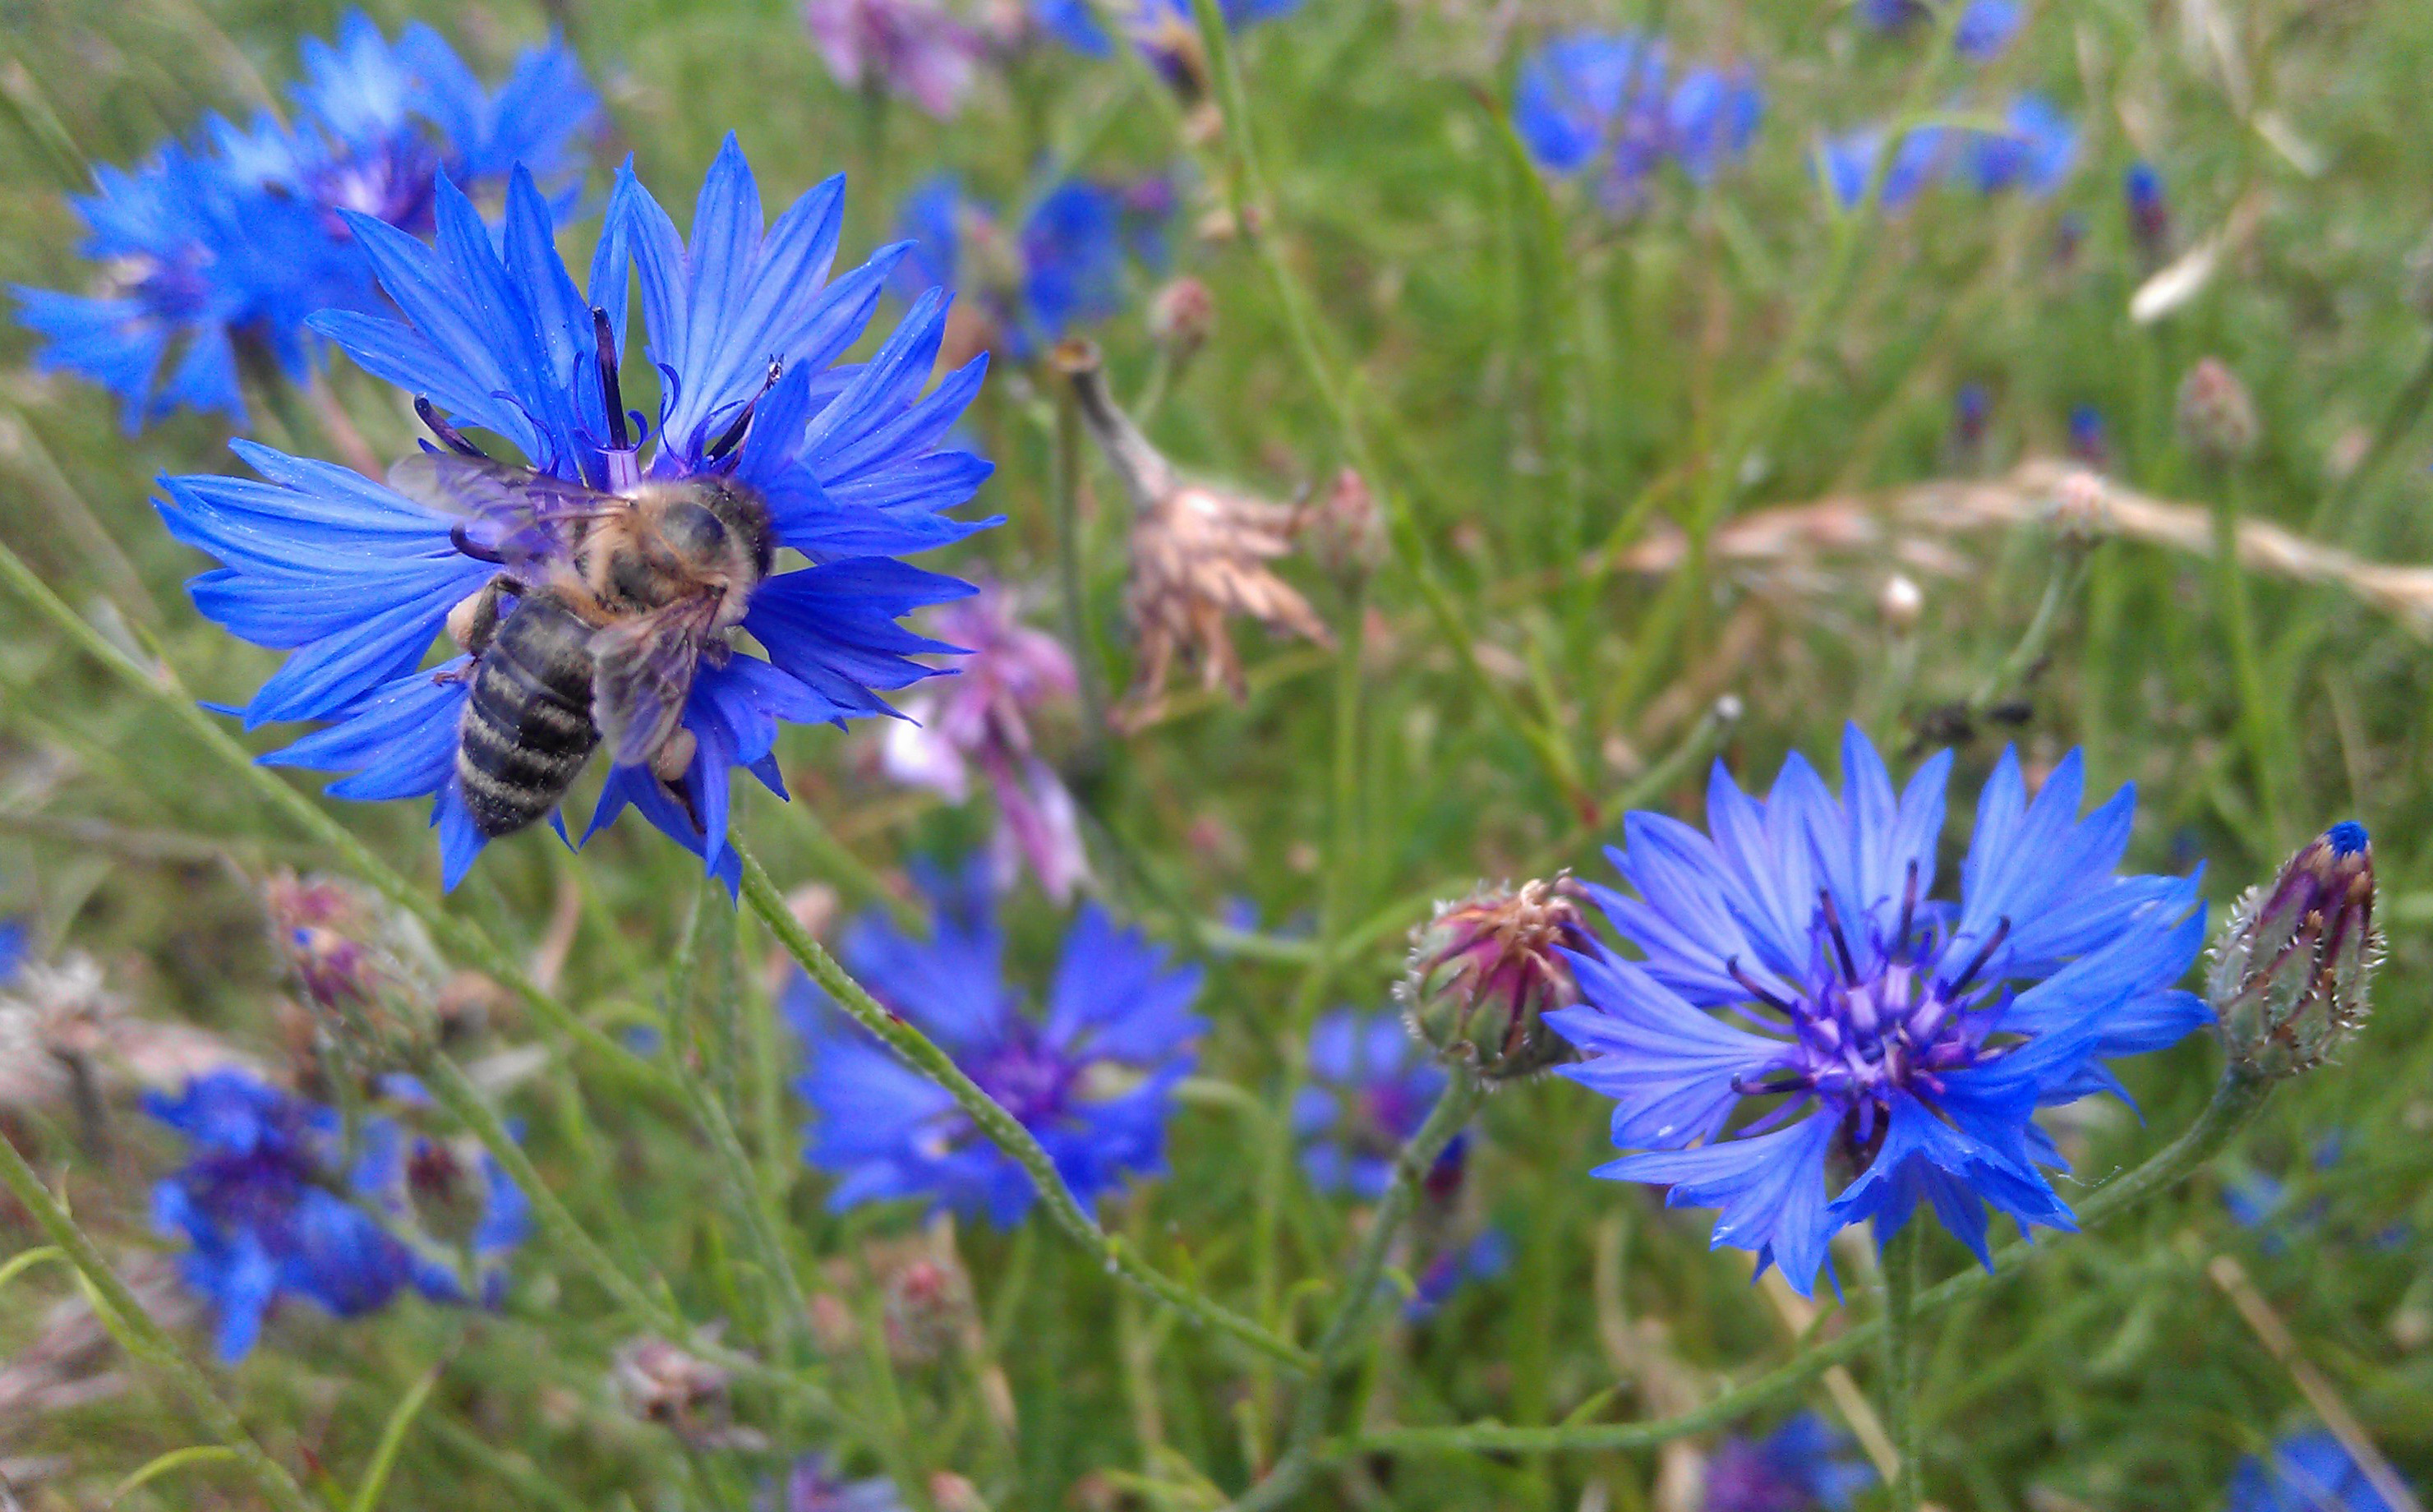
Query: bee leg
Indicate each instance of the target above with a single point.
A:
(475, 619)
(675, 757)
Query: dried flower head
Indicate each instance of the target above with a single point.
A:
(1486, 968)
(2290, 972)
(1183, 315)
(1200, 555)
(663, 1383)
(2217, 416)
(67, 1036)
(2079, 514)
(1346, 531)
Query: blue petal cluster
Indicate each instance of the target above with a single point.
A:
(1062, 268)
(2034, 154)
(355, 581)
(1371, 1086)
(230, 245)
(813, 1485)
(272, 1211)
(1982, 30)
(1803, 1466)
(1093, 1079)
(1166, 31)
(2303, 1472)
(1805, 1006)
(1608, 104)
(1482, 1258)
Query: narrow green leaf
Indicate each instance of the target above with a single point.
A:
(176, 1459)
(392, 1439)
(26, 1260)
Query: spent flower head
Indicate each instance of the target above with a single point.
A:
(1486, 970)
(1808, 1016)
(1200, 555)
(2290, 972)
(1093, 1078)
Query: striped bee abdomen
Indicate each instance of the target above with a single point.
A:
(527, 727)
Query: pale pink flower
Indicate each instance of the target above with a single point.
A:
(914, 48)
(980, 719)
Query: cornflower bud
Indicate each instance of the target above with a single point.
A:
(1486, 970)
(663, 1383)
(2150, 213)
(1344, 531)
(2289, 976)
(367, 972)
(2216, 417)
(1183, 315)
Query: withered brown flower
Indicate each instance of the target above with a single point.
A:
(1200, 555)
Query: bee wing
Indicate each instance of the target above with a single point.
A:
(641, 668)
(510, 514)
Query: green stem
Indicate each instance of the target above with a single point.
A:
(1903, 1261)
(1069, 577)
(467, 940)
(2068, 571)
(278, 1487)
(1000, 1126)
(2254, 711)
(1357, 1301)
(2235, 1102)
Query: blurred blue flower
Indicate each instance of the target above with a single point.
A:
(423, 1185)
(356, 580)
(1972, 408)
(1983, 28)
(2303, 1472)
(2034, 156)
(204, 251)
(194, 263)
(1803, 1466)
(1805, 1004)
(1606, 104)
(1371, 1086)
(261, 1200)
(2089, 437)
(13, 940)
(1166, 31)
(1093, 1079)
(2150, 211)
(813, 1485)
(1065, 268)
(1483, 1258)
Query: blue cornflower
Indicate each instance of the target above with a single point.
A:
(2034, 156)
(14, 937)
(1806, 1005)
(1166, 31)
(2033, 153)
(1803, 1466)
(1607, 104)
(194, 262)
(1093, 1079)
(1482, 1258)
(1371, 1086)
(357, 581)
(2090, 439)
(2150, 211)
(233, 245)
(378, 125)
(1972, 410)
(1064, 267)
(2303, 1472)
(1984, 28)
(262, 1199)
(813, 1485)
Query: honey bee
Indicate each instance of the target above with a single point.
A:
(605, 605)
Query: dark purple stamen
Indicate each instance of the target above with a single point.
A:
(449, 435)
(1749, 985)
(611, 397)
(1909, 907)
(1767, 1089)
(734, 433)
(1976, 963)
(1840, 942)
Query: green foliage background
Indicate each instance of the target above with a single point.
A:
(1537, 381)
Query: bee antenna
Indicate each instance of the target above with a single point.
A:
(449, 435)
(611, 397)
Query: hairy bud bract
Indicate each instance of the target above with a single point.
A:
(2289, 976)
